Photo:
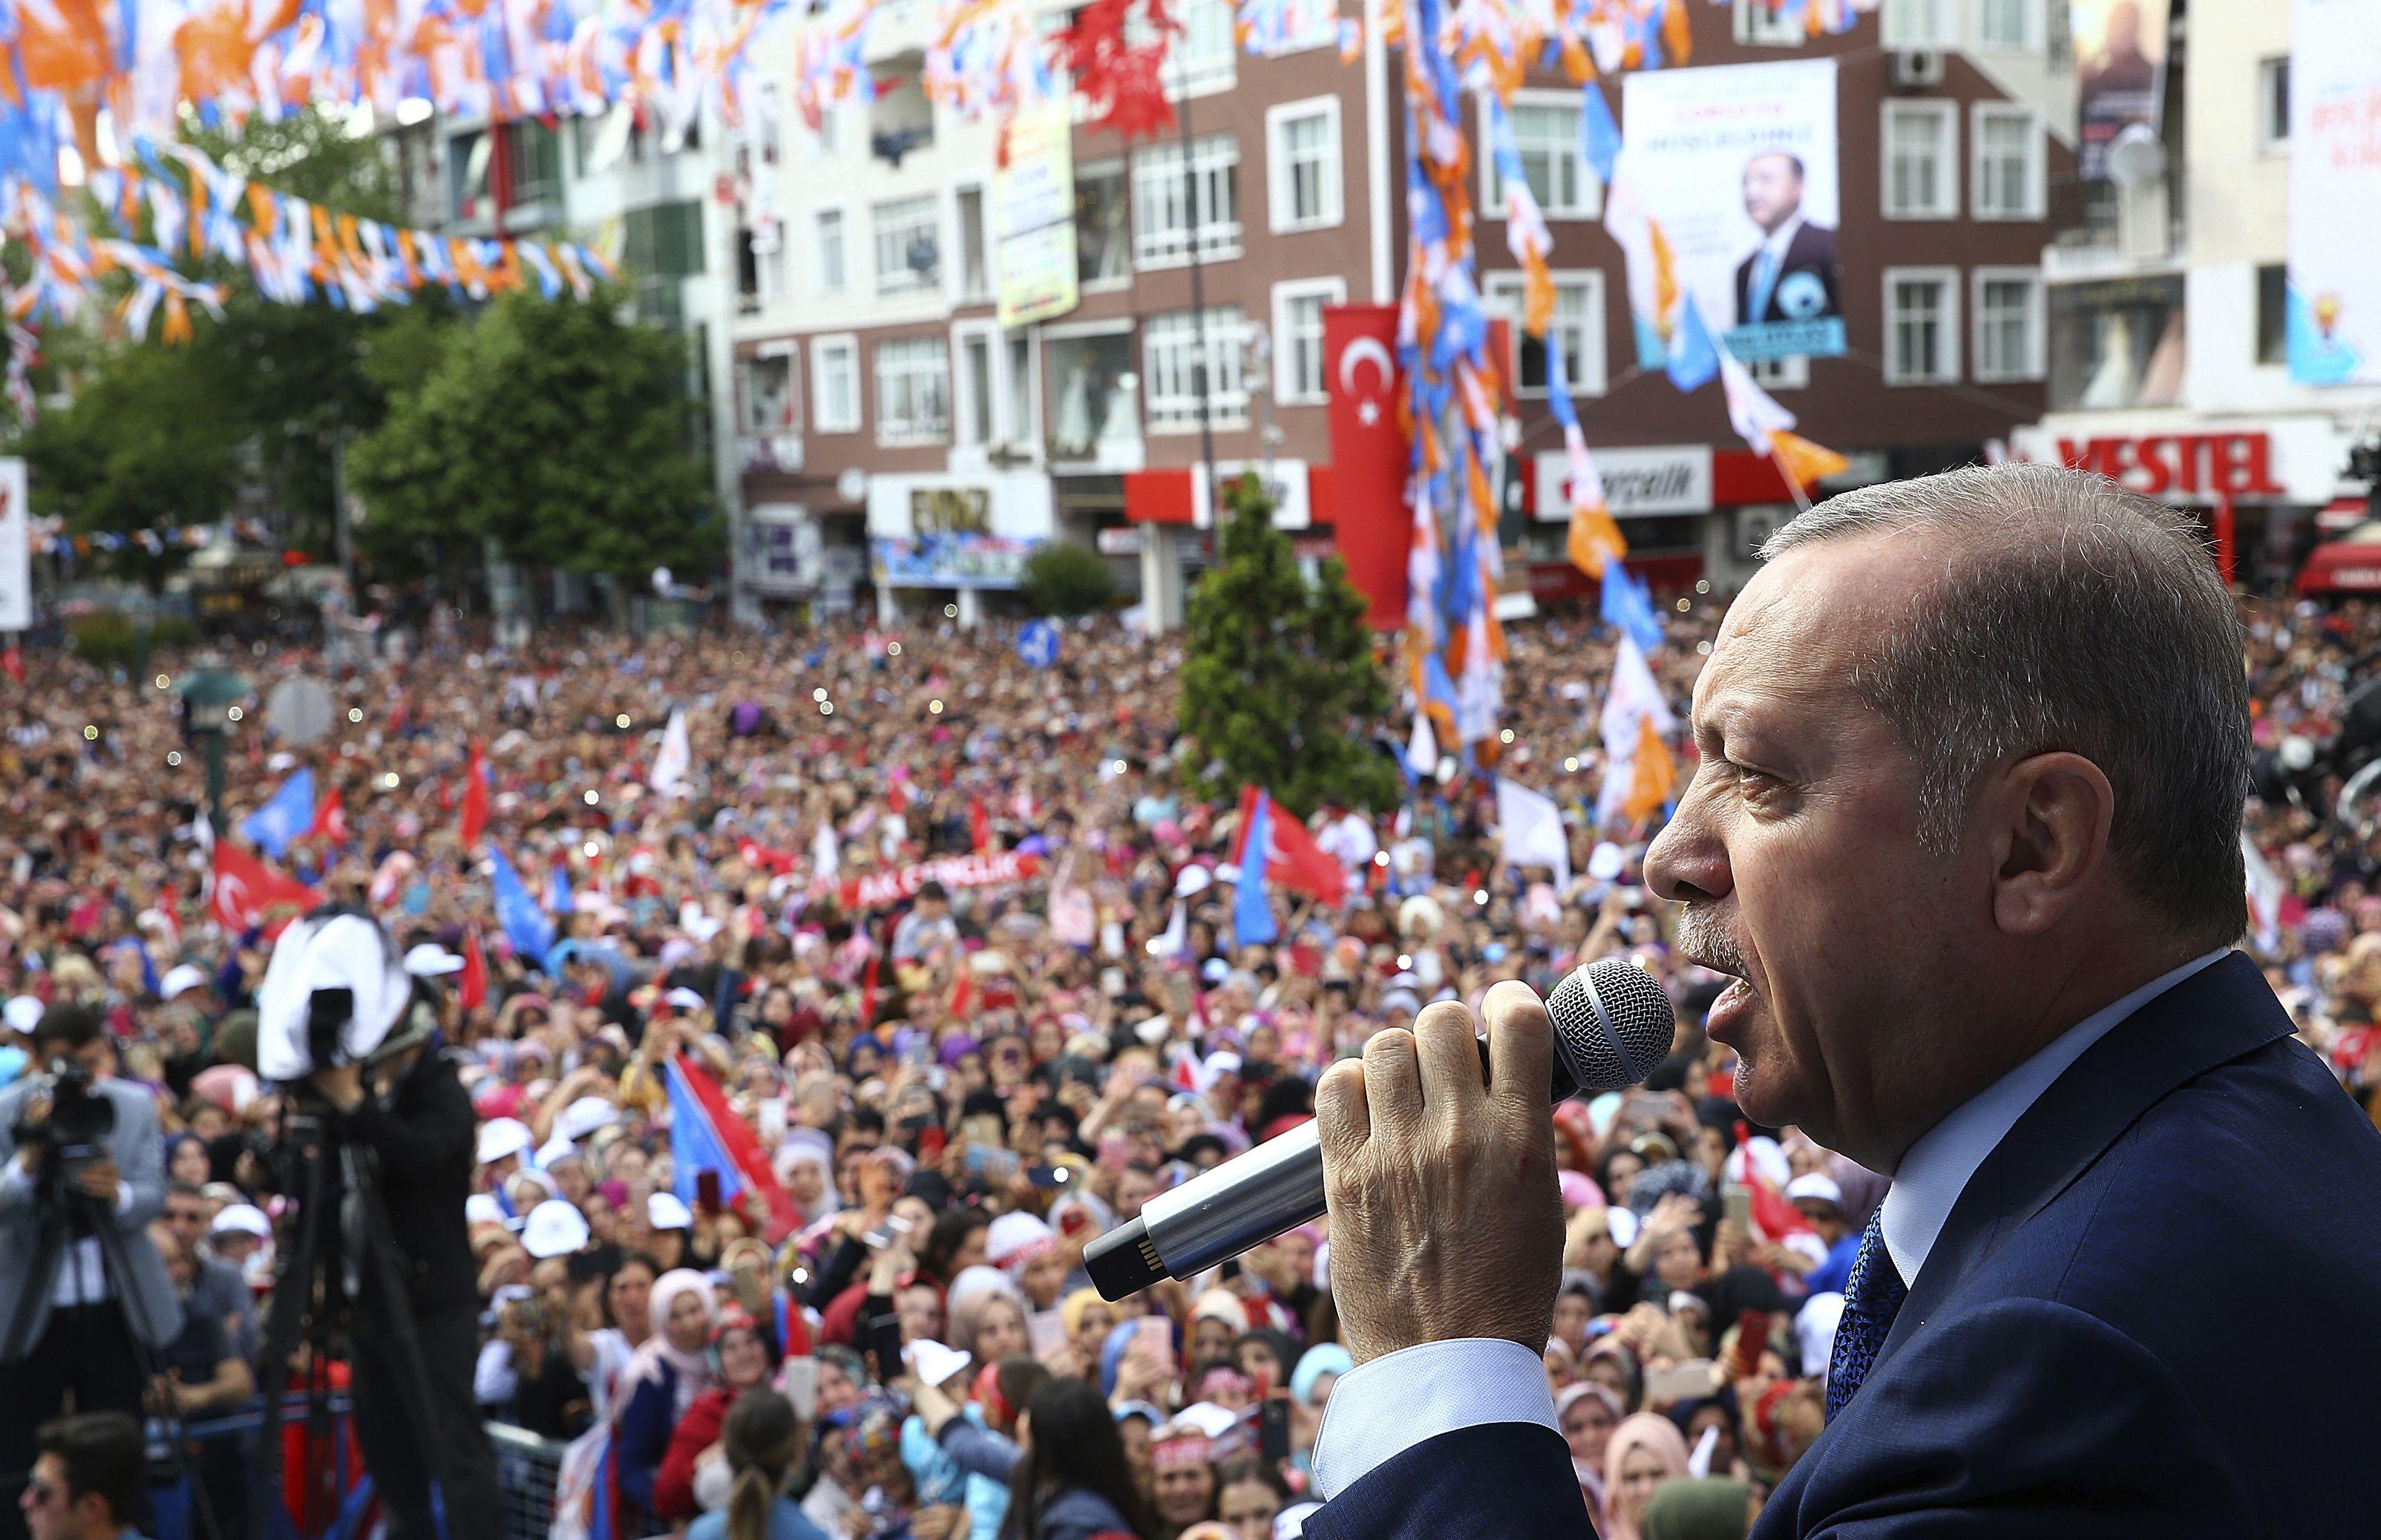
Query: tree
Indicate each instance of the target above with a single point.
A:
(1279, 682)
(1067, 579)
(556, 429)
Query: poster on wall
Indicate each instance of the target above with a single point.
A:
(1738, 167)
(2333, 312)
(16, 550)
(2120, 74)
(1033, 212)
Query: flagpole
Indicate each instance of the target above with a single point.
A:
(1801, 499)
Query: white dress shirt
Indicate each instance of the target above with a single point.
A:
(82, 1269)
(1381, 1409)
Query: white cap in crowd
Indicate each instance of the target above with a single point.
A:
(500, 1137)
(242, 1220)
(554, 1229)
(430, 960)
(1815, 1188)
(664, 1211)
(178, 978)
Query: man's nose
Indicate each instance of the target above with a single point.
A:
(1688, 861)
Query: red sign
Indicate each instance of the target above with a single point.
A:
(879, 889)
(1368, 513)
(2183, 465)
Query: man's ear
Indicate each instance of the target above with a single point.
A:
(2051, 815)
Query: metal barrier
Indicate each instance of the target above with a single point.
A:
(528, 1468)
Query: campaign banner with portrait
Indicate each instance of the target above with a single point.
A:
(2332, 312)
(1737, 166)
(2120, 74)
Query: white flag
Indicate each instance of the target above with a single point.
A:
(1633, 696)
(1529, 828)
(827, 854)
(2265, 890)
(1751, 410)
(677, 756)
(1422, 754)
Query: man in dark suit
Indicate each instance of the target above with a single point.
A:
(1965, 829)
(68, 1322)
(1791, 275)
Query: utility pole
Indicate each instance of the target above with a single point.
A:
(1197, 315)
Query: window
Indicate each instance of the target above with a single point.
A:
(1545, 134)
(834, 384)
(1203, 54)
(1090, 394)
(1164, 216)
(663, 240)
(1298, 339)
(2008, 25)
(976, 386)
(1791, 373)
(1576, 323)
(912, 390)
(2273, 105)
(1921, 160)
(2008, 162)
(1768, 24)
(1022, 399)
(767, 397)
(1302, 178)
(827, 232)
(976, 272)
(1922, 325)
(1170, 355)
(2273, 312)
(2117, 344)
(2009, 328)
(533, 167)
(908, 245)
(1103, 228)
(1919, 24)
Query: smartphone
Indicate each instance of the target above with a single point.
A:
(1048, 1177)
(930, 1144)
(1273, 1427)
(798, 1380)
(1158, 1332)
(706, 1194)
(1044, 1330)
(601, 1262)
(886, 1234)
(1752, 1339)
(1738, 1199)
(984, 1128)
(1680, 1382)
(992, 1163)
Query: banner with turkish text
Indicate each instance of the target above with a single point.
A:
(878, 889)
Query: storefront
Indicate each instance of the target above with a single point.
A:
(1687, 510)
(946, 539)
(2259, 483)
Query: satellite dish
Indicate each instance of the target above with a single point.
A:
(852, 486)
(299, 711)
(2136, 158)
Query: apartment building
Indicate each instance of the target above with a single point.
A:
(2168, 306)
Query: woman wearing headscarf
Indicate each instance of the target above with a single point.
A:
(1586, 1413)
(740, 1360)
(1319, 1369)
(1644, 1452)
(669, 1371)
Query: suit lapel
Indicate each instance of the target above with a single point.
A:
(2216, 1015)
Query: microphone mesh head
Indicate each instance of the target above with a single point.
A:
(1641, 1028)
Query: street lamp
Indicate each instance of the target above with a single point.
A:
(208, 692)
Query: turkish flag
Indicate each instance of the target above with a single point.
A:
(242, 890)
(1370, 521)
(754, 853)
(978, 826)
(471, 984)
(12, 662)
(1292, 858)
(330, 819)
(475, 798)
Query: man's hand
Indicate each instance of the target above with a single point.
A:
(98, 1178)
(32, 1152)
(1445, 1221)
(341, 1084)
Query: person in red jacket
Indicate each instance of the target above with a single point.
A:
(743, 1358)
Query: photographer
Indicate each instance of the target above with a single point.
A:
(77, 1150)
(410, 1109)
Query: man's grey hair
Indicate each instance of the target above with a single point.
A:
(2073, 615)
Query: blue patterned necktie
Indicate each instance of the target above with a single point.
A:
(1871, 1301)
(1764, 283)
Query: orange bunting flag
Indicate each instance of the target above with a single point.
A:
(1677, 33)
(1805, 463)
(1654, 775)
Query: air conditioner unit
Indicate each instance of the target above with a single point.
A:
(1915, 68)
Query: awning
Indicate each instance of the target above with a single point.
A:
(2343, 513)
(2350, 565)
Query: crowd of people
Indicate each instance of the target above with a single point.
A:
(955, 1083)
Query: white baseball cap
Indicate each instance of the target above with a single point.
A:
(500, 1137)
(242, 1220)
(481, 1208)
(430, 960)
(554, 1229)
(584, 1116)
(686, 999)
(187, 975)
(663, 1211)
(1817, 1188)
(22, 1013)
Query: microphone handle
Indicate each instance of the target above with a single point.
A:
(1242, 1203)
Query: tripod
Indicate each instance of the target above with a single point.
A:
(338, 1240)
(57, 1205)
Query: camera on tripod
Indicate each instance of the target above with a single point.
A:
(80, 1120)
(332, 994)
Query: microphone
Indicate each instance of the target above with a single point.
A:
(1612, 1025)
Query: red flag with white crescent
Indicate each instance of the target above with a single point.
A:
(243, 892)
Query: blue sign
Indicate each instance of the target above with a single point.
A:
(1037, 644)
